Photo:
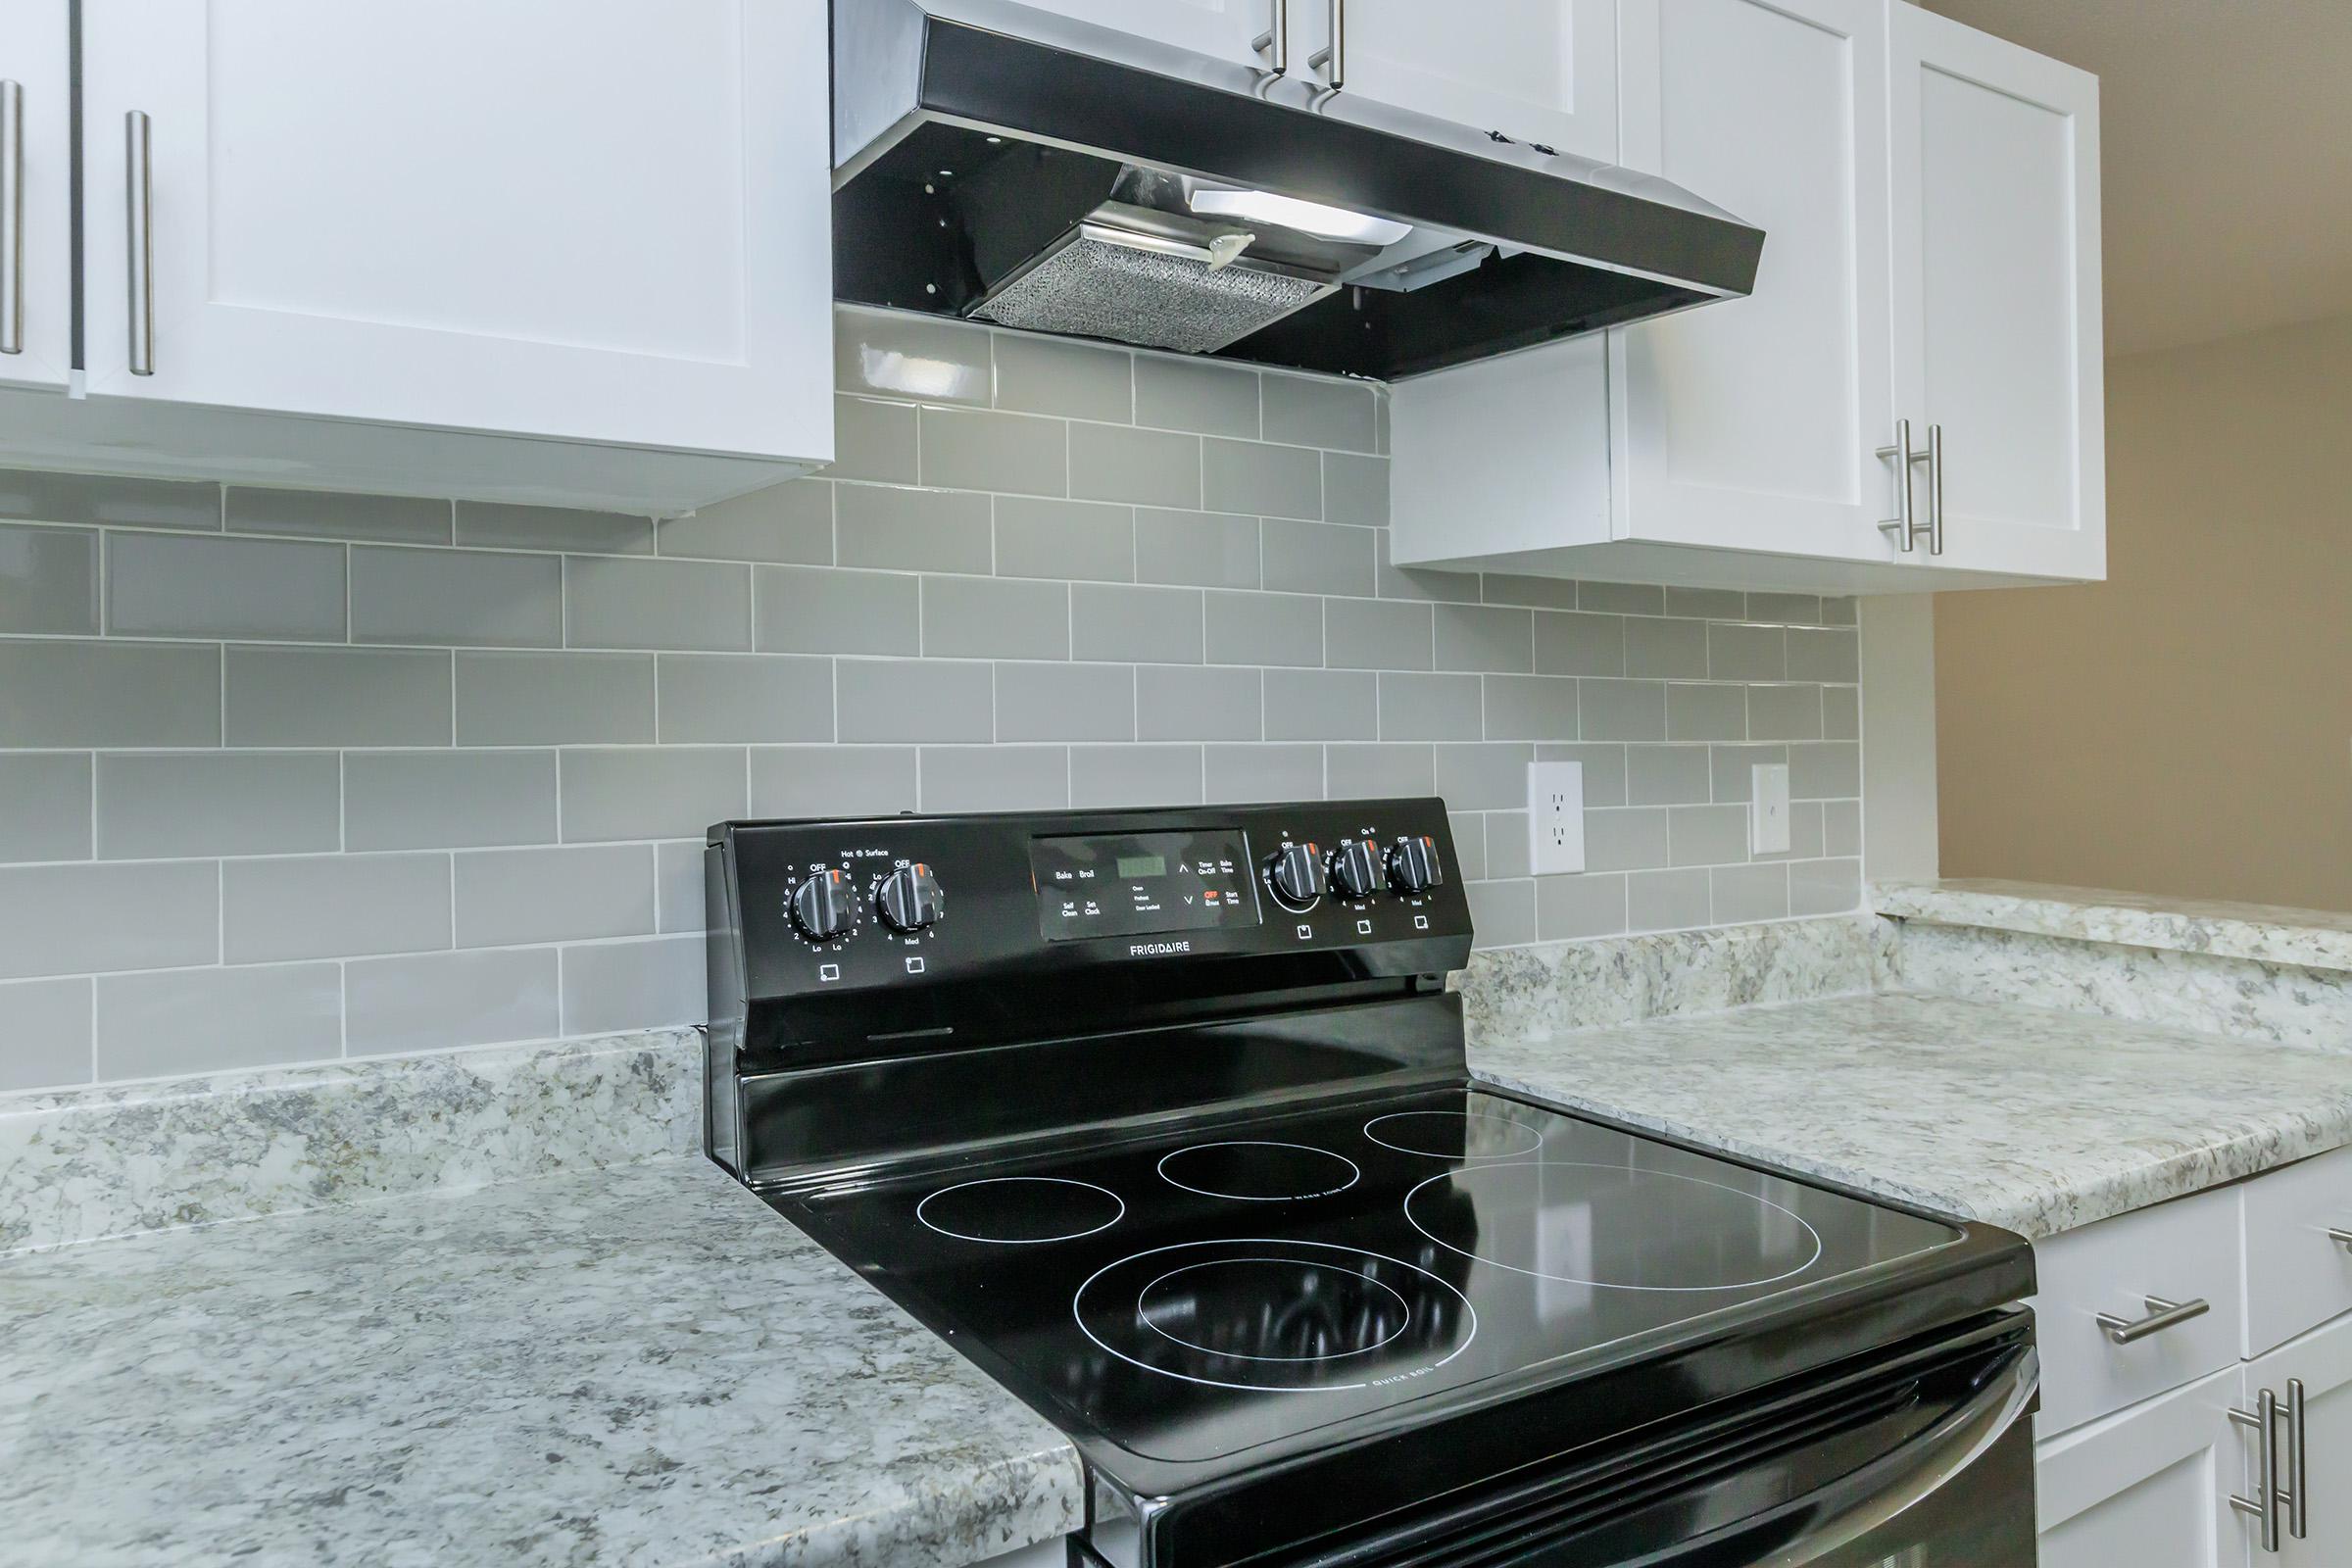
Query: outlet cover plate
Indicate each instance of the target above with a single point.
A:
(1555, 818)
(1768, 809)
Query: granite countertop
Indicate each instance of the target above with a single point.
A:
(2035, 1120)
(2264, 933)
(647, 1366)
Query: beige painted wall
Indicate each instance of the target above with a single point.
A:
(2185, 728)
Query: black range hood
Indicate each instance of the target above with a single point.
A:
(1012, 165)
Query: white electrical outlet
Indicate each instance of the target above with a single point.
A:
(1768, 809)
(1555, 818)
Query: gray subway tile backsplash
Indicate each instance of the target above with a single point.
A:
(906, 529)
(704, 699)
(1039, 574)
(161, 805)
(333, 906)
(567, 698)
(44, 806)
(1205, 396)
(281, 694)
(448, 799)
(1251, 477)
(182, 585)
(193, 1021)
(456, 598)
(524, 527)
(1142, 623)
(649, 791)
(44, 1034)
(49, 581)
(615, 603)
(1148, 467)
(329, 515)
(511, 897)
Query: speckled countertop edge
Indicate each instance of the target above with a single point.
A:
(2313, 939)
(2030, 1119)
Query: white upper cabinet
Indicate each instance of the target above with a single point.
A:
(591, 221)
(1224, 30)
(1536, 71)
(37, 201)
(1929, 197)
(1995, 205)
(1755, 423)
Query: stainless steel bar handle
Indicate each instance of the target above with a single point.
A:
(1899, 525)
(1275, 41)
(2340, 1237)
(1935, 489)
(12, 218)
(139, 171)
(2263, 1422)
(2298, 1486)
(1332, 58)
(2162, 1315)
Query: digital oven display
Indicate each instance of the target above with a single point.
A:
(1131, 884)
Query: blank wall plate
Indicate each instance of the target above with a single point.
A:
(1555, 818)
(1768, 809)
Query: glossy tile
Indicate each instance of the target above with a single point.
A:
(462, 598)
(286, 696)
(437, 800)
(152, 805)
(177, 585)
(49, 581)
(332, 907)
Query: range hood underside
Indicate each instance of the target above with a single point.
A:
(968, 146)
(905, 237)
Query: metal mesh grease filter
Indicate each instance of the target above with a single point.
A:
(1094, 288)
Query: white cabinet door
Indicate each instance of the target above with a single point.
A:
(1221, 28)
(1995, 196)
(36, 293)
(2297, 1275)
(2148, 1487)
(1537, 70)
(1752, 424)
(590, 220)
(2322, 1362)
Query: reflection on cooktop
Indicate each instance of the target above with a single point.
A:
(1455, 1134)
(1343, 1259)
(1021, 1210)
(1255, 1171)
(1273, 1314)
(1612, 1226)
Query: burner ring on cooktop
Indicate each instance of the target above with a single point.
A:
(1409, 1132)
(1320, 1175)
(1433, 1309)
(1020, 1212)
(1768, 1269)
(1402, 1314)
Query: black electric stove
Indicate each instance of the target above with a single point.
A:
(1162, 1118)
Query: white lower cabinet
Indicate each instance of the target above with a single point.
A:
(2139, 1489)
(2150, 1484)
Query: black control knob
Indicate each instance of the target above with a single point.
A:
(1355, 868)
(1413, 865)
(910, 898)
(824, 905)
(1296, 874)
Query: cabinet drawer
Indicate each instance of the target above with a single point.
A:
(2296, 1278)
(2181, 1252)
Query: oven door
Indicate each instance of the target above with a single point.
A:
(1934, 1469)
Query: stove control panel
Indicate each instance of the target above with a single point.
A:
(1139, 903)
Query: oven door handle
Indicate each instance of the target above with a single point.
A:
(1920, 1467)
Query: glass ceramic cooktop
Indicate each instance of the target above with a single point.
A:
(1193, 1297)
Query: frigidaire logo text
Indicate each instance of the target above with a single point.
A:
(1148, 950)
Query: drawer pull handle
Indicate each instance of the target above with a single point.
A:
(2162, 1315)
(2262, 1507)
(2340, 1237)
